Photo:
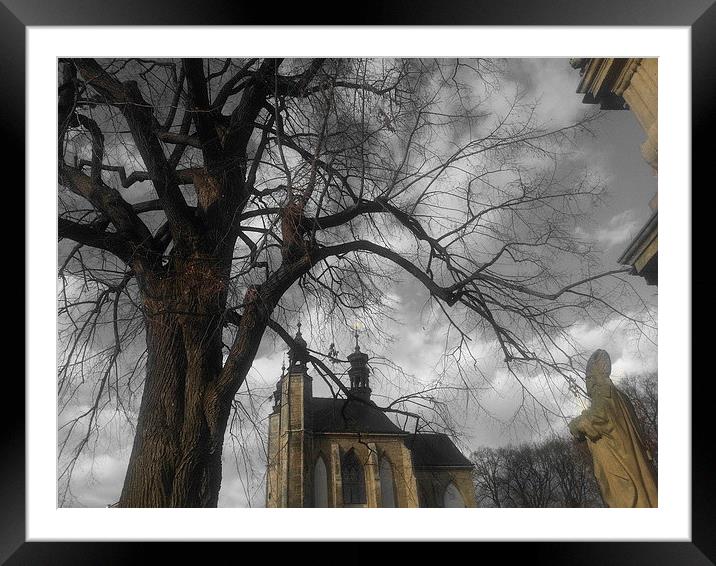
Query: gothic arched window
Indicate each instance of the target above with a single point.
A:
(352, 478)
(320, 484)
(452, 497)
(387, 491)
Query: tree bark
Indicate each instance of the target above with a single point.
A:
(149, 481)
(176, 456)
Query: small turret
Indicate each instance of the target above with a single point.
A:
(298, 355)
(359, 372)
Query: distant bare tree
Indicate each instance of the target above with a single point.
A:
(552, 473)
(573, 475)
(530, 480)
(489, 476)
(643, 392)
(202, 202)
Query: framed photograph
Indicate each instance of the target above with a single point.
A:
(287, 271)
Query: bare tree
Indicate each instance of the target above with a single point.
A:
(204, 201)
(529, 479)
(643, 392)
(489, 477)
(553, 473)
(573, 473)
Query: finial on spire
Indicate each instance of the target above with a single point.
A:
(357, 327)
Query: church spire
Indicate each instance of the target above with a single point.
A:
(298, 354)
(359, 372)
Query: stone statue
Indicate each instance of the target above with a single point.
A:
(622, 465)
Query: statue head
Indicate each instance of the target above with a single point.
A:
(599, 367)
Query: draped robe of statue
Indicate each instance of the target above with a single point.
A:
(622, 465)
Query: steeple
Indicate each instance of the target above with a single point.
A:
(358, 372)
(298, 355)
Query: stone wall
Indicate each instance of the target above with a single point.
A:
(369, 450)
(432, 483)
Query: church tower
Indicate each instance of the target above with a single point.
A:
(289, 432)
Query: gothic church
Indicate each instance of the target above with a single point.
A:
(345, 452)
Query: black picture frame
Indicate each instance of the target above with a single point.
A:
(698, 15)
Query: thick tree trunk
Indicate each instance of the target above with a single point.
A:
(149, 481)
(176, 456)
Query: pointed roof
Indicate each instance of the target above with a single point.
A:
(298, 354)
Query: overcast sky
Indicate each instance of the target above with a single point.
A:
(419, 337)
